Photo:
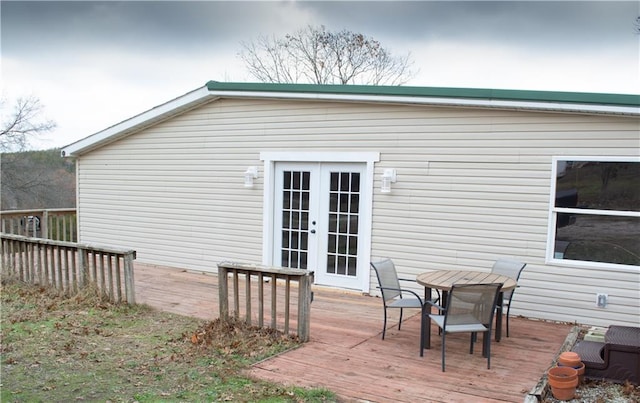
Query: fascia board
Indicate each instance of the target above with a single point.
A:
(440, 101)
(138, 122)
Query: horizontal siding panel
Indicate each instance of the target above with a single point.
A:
(473, 185)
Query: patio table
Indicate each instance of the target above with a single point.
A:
(443, 280)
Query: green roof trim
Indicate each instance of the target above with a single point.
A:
(434, 92)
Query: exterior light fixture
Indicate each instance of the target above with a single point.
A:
(388, 177)
(249, 175)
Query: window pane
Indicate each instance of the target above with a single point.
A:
(333, 222)
(598, 185)
(286, 180)
(331, 264)
(306, 178)
(333, 202)
(351, 271)
(296, 180)
(355, 203)
(331, 245)
(355, 182)
(598, 238)
(334, 181)
(295, 200)
(342, 245)
(344, 181)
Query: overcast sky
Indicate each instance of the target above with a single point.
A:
(94, 64)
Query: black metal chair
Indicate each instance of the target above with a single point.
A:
(392, 292)
(470, 309)
(513, 269)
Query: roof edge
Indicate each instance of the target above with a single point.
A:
(435, 92)
(137, 122)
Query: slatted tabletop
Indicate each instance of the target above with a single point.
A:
(444, 279)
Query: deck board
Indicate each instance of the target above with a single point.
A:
(346, 354)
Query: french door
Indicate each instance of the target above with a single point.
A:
(318, 222)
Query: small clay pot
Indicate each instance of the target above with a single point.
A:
(562, 374)
(563, 382)
(569, 359)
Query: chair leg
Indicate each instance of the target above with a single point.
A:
(507, 319)
(473, 339)
(486, 338)
(443, 339)
(423, 317)
(384, 325)
(400, 321)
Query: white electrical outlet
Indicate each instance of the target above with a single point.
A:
(601, 300)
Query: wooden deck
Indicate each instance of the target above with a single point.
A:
(346, 355)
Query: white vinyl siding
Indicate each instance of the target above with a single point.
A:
(472, 185)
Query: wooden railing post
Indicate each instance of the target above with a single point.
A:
(304, 306)
(129, 284)
(44, 225)
(223, 292)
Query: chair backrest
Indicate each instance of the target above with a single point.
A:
(387, 278)
(510, 268)
(472, 304)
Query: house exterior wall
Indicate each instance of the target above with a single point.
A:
(472, 185)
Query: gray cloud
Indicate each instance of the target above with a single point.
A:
(177, 26)
(158, 25)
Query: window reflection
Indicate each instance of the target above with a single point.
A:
(598, 238)
(598, 185)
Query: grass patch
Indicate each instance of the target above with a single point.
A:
(57, 348)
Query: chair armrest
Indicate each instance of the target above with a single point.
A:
(407, 279)
(437, 306)
(414, 294)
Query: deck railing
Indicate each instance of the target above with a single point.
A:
(69, 267)
(55, 224)
(255, 277)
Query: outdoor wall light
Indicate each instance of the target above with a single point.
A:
(249, 175)
(388, 177)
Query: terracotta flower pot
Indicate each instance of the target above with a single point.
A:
(563, 382)
(569, 359)
(573, 360)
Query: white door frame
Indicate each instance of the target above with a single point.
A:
(270, 158)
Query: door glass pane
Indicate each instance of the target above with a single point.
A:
(342, 245)
(295, 216)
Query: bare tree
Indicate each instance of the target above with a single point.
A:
(315, 55)
(22, 123)
(36, 180)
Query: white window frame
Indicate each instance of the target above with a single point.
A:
(553, 214)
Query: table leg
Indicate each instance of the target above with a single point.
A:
(425, 323)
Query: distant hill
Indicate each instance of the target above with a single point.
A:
(37, 180)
